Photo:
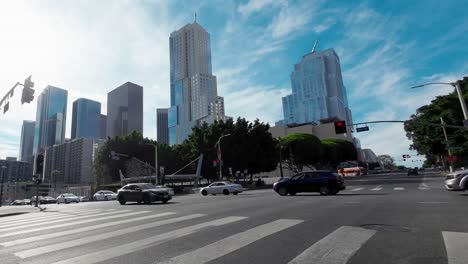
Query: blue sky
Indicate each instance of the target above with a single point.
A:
(91, 47)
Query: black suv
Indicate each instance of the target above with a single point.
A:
(323, 182)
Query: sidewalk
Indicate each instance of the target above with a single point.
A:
(16, 210)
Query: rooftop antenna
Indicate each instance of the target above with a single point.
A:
(315, 45)
(195, 17)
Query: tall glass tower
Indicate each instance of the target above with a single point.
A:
(318, 92)
(193, 87)
(86, 119)
(51, 117)
(27, 141)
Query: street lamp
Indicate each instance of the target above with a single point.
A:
(457, 86)
(1, 191)
(220, 155)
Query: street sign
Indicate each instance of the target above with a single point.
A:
(362, 129)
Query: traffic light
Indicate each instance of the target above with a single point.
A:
(39, 164)
(340, 127)
(28, 93)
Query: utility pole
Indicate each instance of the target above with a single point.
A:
(462, 101)
(446, 140)
(156, 161)
(281, 162)
(220, 155)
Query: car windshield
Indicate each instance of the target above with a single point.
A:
(146, 186)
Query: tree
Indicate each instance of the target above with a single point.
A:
(249, 147)
(429, 140)
(387, 161)
(300, 150)
(336, 151)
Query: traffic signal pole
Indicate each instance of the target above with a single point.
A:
(446, 140)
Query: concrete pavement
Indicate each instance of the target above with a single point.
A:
(383, 219)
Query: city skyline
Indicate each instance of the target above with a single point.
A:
(255, 47)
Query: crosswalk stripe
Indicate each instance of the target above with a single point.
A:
(33, 221)
(337, 247)
(456, 244)
(151, 241)
(398, 188)
(423, 186)
(82, 229)
(72, 223)
(233, 243)
(378, 188)
(39, 215)
(357, 189)
(31, 216)
(81, 241)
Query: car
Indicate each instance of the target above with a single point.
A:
(412, 171)
(321, 181)
(104, 195)
(222, 187)
(144, 192)
(84, 198)
(18, 202)
(49, 200)
(67, 198)
(456, 181)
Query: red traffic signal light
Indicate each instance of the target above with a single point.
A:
(340, 127)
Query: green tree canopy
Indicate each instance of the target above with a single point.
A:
(300, 150)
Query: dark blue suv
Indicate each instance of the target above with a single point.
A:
(323, 182)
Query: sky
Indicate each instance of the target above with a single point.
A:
(91, 47)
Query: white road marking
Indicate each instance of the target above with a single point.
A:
(423, 186)
(357, 189)
(337, 247)
(144, 243)
(232, 243)
(79, 230)
(433, 202)
(349, 202)
(378, 188)
(456, 245)
(72, 222)
(40, 215)
(398, 188)
(37, 221)
(84, 240)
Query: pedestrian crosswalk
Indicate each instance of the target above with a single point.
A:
(66, 241)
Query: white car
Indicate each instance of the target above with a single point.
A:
(67, 198)
(222, 187)
(104, 195)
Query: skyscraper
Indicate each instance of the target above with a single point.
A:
(125, 110)
(86, 119)
(162, 130)
(193, 87)
(318, 92)
(51, 117)
(103, 127)
(27, 141)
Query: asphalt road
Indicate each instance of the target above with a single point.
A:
(389, 218)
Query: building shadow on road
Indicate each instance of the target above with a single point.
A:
(340, 194)
(151, 204)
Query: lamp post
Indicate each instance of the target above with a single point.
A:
(1, 185)
(220, 155)
(457, 86)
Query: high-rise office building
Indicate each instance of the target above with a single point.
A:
(125, 110)
(86, 119)
(162, 129)
(318, 92)
(193, 86)
(27, 141)
(72, 161)
(51, 117)
(103, 127)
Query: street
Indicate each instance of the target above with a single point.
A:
(387, 218)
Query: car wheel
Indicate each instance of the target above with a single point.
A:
(139, 202)
(324, 190)
(77, 201)
(333, 192)
(204, 193)
(282, 191)
(226, 192)
(122, 200)
(235, 193)
(214, 194)
(292, 193)
(105, 198)
(164, 201)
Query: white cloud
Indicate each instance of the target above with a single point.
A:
(253, 6)
(291, 19)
